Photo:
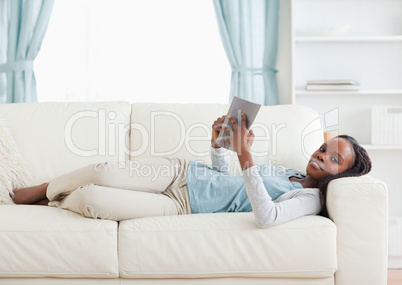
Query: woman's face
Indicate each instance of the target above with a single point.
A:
(334, 156)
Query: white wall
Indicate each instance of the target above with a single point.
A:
(284, 59)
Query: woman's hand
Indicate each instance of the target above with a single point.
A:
(242, 140)
(216, 128)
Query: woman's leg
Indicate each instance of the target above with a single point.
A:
(43, 202)
(101, 202)
(30, 195)
(151, 175)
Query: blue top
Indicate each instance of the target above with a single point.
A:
(211, 191)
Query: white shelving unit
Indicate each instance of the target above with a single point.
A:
(382, 147)
(349, 93)
(370, 52)
(378, 39)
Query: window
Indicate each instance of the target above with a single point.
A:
(133, 50)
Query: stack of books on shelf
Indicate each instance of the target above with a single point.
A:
(333, 85)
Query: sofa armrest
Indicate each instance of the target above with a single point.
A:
(359, 208)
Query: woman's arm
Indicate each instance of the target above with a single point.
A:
(219, 160)
(242, 140)
(267, 213)
(218, 154)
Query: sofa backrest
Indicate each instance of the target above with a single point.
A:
(55, 138)
(285, 134)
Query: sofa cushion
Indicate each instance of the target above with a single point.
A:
(55, 138)
(40, 241)
(14, 172)
(229, 244)
(285, 134)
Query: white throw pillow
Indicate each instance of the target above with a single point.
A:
(14, 171)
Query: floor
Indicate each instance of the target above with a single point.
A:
(394, 277)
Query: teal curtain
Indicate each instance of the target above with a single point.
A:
(23, 25)
(249, 33)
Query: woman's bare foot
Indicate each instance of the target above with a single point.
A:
(43, 202)
(30, 195)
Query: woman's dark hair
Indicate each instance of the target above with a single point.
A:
(361, 166)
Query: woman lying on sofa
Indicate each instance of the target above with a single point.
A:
(275, 195)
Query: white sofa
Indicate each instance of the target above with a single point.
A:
(46, 245)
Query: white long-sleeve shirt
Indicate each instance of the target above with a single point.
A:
(289, 206)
